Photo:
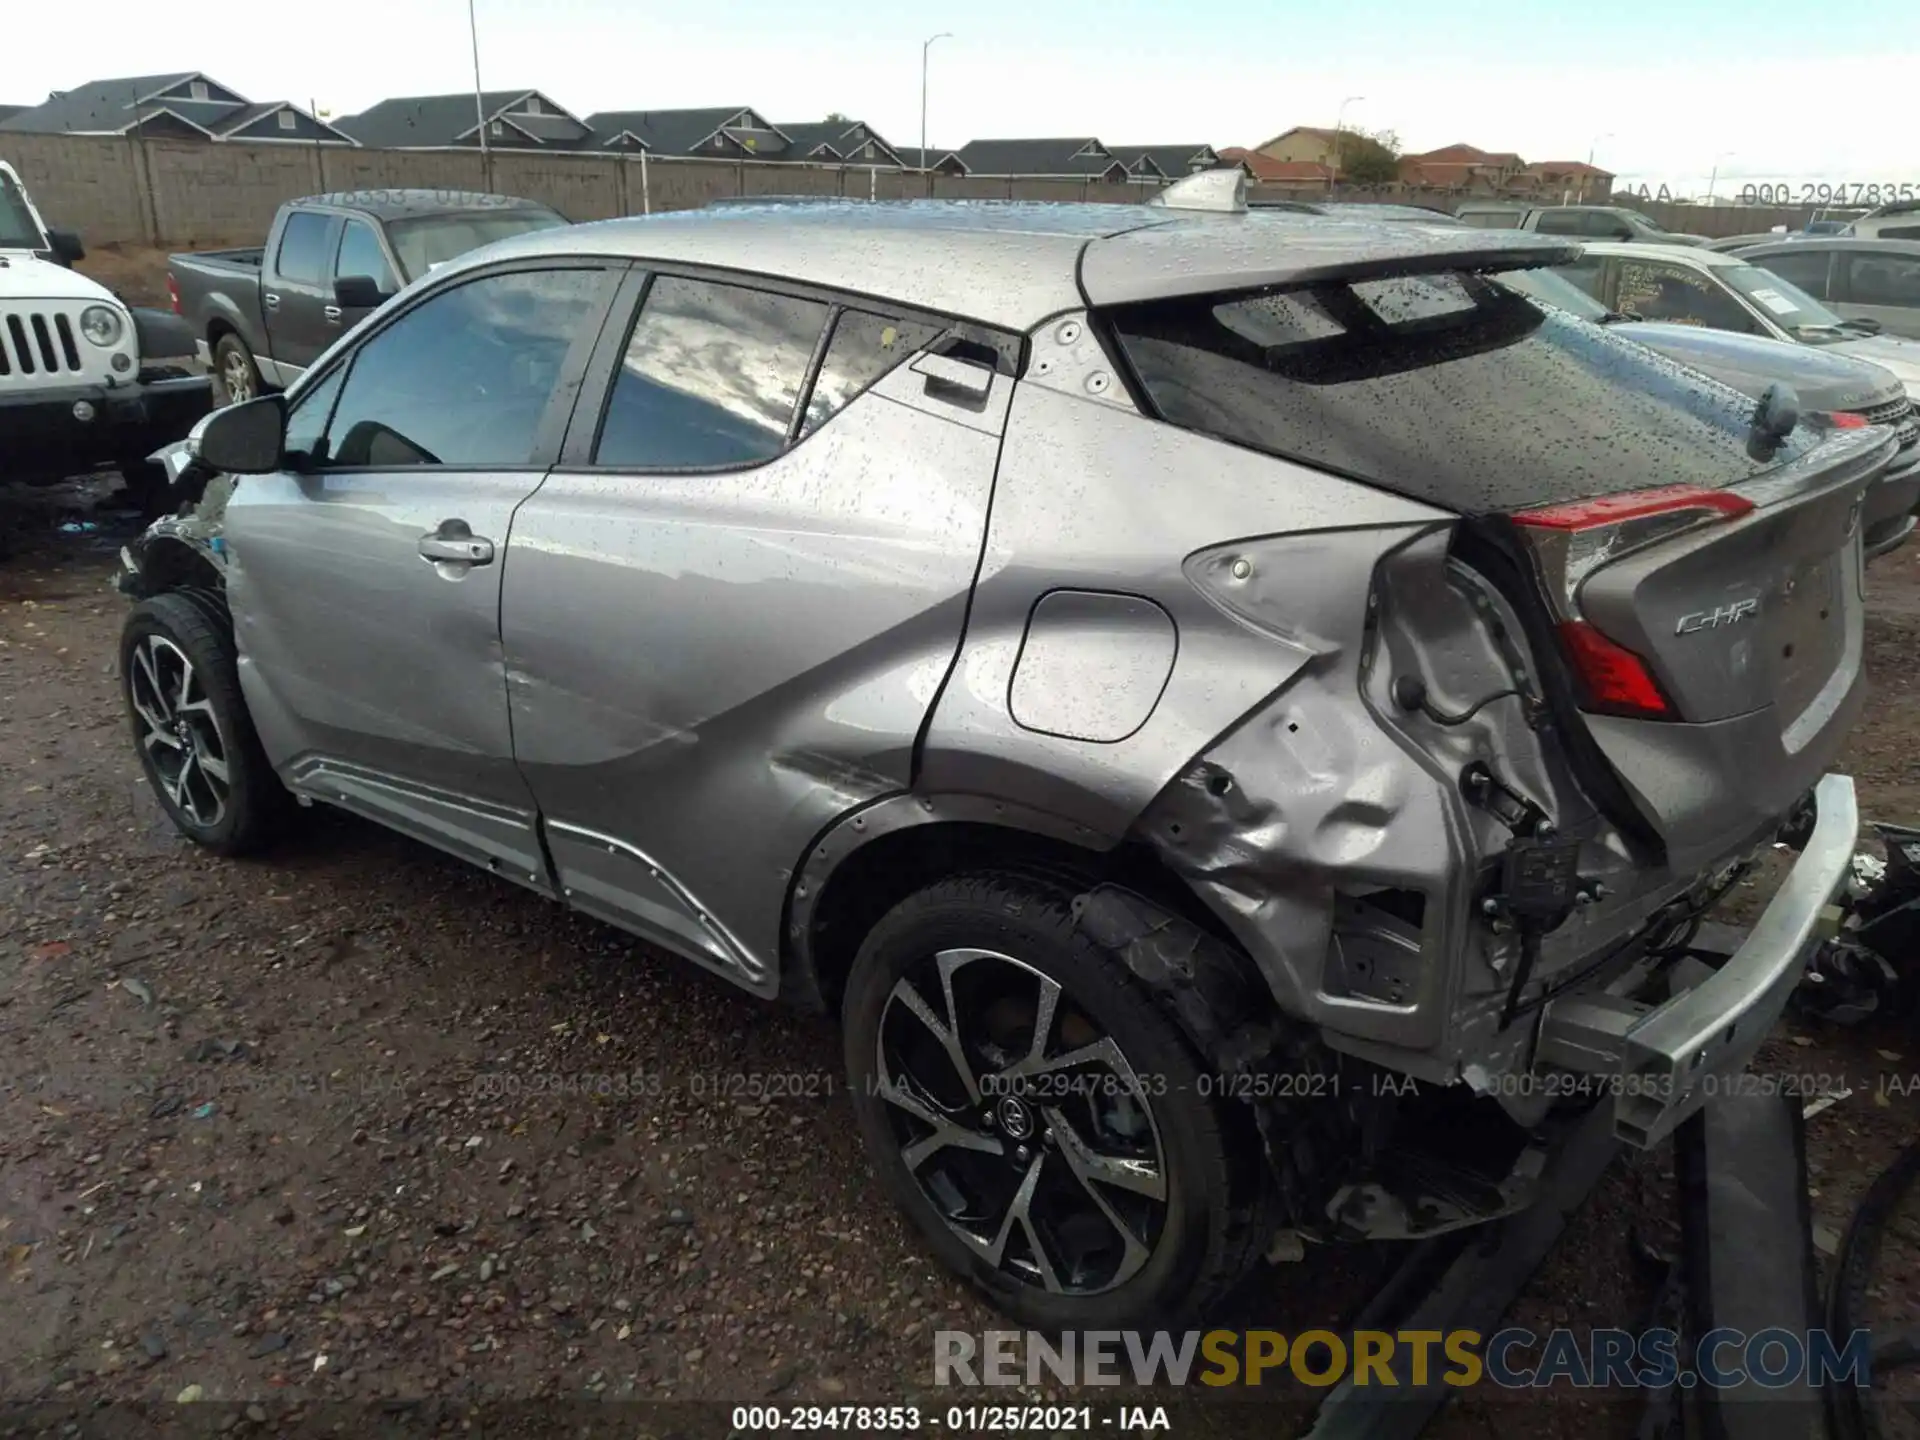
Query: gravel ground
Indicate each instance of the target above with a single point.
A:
(354, 1121)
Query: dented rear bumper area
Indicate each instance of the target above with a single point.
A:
(1666, 1061)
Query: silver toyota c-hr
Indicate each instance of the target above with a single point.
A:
(1221, 705)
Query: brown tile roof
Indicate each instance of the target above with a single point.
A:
(1566, 170)
(1263, 167)
(1316, 131)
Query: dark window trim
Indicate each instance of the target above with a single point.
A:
(550, 434)
(583, 431)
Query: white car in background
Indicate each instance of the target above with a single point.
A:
(1689, 285)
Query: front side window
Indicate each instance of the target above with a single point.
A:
(1883, 280)
(463, 379)
(710, 377)
(1561, 222)
(1656, 291)
(1806, 269)
(1450, 388)
(303, 241)
(307, 418)
(360, 254)
(18, 229)
(864, 347)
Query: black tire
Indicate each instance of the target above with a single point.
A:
(159, 633)
(234, 368)
(1216, 1213)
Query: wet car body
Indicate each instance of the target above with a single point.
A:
(1149, 665)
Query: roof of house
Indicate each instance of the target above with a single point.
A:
(1266, 168)
(1175, 162)
(1566, 170)
(911, 156)
(674, 132)
(417, 121)
(1317, 132)
(97, 107)
(1056, 156)
(1462, 154)
(7, 112)
(807, 139)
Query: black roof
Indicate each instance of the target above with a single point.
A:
(1059, 156)
(437, 121)
(8, 111)
(408, 204)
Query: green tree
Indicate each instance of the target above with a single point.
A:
(1369, 158)
(836, 118)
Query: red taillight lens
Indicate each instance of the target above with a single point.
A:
(1615, 680)
(173, 292)
(1634, 505)
(1847, 420)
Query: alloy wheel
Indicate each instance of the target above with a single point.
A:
(236, 377)
(180, 735)
(1022, 1122)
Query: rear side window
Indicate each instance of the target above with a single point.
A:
(1805, 268)
(1447, 388)
(1562, 222)
(711, 376)
(303, 245)
(1878, 279)
(864, 347)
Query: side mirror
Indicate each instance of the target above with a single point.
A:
(359, 292)
(66, 246)
(245, 439)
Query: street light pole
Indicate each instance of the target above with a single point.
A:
(1339, 118)
(479, 108)
(1714, 178)
(1586, 181)
(926, 46)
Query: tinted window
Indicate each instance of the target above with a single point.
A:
(360, 254)
(1599, 225)
(307, 418)
(464, 378)
(303, 245)
(1449, 388)
(1898, 232)
(1880, 279)
(711, 376)
(17, 227)
(1804, 268)
(863, 348)
(1561, 222)
(1491, 219)
(1673, 293)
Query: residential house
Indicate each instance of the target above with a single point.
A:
(188, 105)
(838, 141)
(7, 112)
(1307, 177)
(945, 162)
(1078, 157)
(1567, 182)
(1461, 169)
(733, 132)
(1302, 145)
(1167, 162)
(511, 119)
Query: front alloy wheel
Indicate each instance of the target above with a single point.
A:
(1039, 1117)
(178, 730)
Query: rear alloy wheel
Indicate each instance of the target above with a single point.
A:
(1036, 1114)
(191, 730)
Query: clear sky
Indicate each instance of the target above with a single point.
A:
(1656, 89)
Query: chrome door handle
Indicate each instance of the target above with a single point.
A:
(460, 549)
(271, 301)
(332, 312)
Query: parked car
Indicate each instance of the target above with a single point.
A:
(85, 379)
(1598, 222)
(1824, 383)
(1872, 280)
(261, 322)
(1163, 677)
(1897, 221)
(1726, 292)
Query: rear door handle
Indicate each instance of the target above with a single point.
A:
(332, 312)
(462, 549)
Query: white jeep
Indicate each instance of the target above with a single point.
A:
(83, 377)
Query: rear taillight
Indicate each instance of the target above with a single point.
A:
(1571, 541)
(1847, 420)
(173, 292)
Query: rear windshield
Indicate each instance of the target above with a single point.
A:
(1449, 388)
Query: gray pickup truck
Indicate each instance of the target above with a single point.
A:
(262, 316)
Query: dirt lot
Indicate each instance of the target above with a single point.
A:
(355, 1122)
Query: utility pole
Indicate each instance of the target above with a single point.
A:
(1339, 118)
(479, 107)
(925, 48)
